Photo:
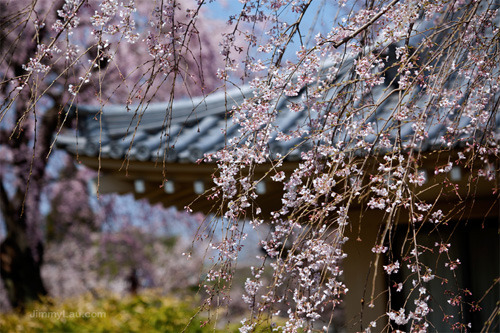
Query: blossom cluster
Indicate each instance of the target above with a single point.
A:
(390, 86)
(375, 101)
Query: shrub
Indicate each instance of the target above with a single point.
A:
(146, 312)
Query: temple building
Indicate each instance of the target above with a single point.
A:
(156, 153)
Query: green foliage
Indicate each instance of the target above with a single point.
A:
(146, 312)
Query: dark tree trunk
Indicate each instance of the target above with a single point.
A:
(21, 252)
(21, 273)
(133, 281)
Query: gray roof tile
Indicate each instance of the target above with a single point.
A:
(196, 126)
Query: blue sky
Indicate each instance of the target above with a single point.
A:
(318, 18)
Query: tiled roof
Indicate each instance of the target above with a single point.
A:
(195, 126)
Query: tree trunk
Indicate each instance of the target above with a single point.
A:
(21, 253)
(21, 272)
